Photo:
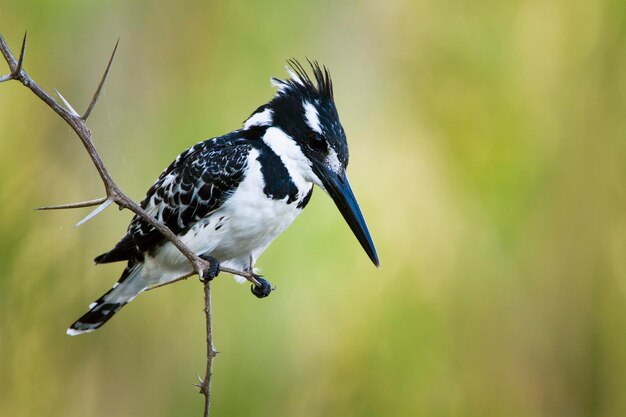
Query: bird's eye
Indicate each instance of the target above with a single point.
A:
(315, 141)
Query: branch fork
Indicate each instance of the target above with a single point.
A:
(114, 194)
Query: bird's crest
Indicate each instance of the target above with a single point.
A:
(300, 79)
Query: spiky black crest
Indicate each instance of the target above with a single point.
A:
(323, 84)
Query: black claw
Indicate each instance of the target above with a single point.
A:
(264, 290)
(212, 271)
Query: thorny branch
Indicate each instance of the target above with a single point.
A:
(113, 193)
(205, 384)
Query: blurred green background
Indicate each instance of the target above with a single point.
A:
(488, 153)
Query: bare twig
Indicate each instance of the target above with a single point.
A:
(115, 195)
(253, 277)
(113, 192)
(205, 385)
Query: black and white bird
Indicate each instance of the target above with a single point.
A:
(229, 197)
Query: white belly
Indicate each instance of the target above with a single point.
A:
(243, 227)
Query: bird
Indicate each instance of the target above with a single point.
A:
(227, 198)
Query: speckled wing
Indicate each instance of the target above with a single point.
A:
(194, 185)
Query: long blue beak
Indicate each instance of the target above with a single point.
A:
(338, 187)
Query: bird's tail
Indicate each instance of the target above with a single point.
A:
(130, 284)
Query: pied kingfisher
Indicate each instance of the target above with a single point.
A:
(229, 197)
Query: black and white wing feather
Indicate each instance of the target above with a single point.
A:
(194, 185)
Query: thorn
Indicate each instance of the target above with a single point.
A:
(67, 104)
(20, 61)
(201, 385)
(101, 84)
(89, 203)
(94, 213)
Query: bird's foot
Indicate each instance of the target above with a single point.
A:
(263, 289)
(212, 271)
